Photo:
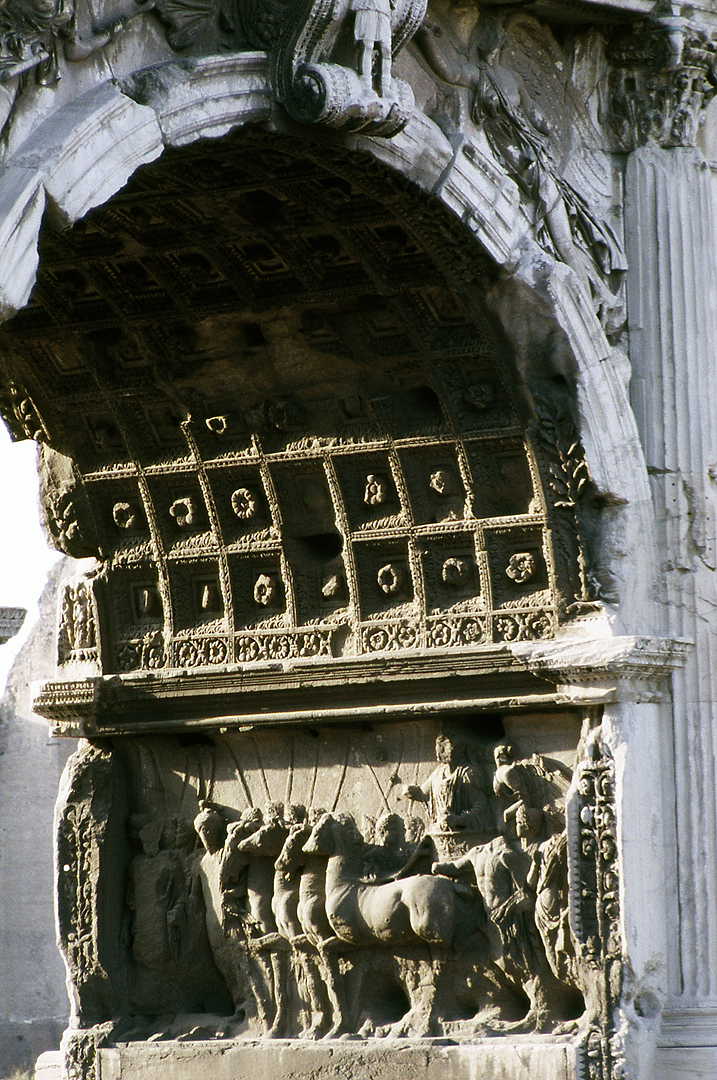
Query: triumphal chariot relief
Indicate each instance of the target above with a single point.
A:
(317, 316)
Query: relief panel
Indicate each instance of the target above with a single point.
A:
(409, 879)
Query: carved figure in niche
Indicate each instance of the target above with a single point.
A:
(333, 63)
(520, 135)
(77, 622)
(536, 794)
(171, 953)
(372, 34)
(156, 927)
(455, 796)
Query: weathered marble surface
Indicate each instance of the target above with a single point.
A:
(362, 410)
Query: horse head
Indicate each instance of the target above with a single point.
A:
(322, 840)
(291, 855)
(334, 836)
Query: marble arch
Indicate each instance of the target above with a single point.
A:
(603, 667)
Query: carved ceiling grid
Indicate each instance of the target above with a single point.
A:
(163, 323)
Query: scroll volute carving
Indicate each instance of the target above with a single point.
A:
(333, 63)
(67, 516)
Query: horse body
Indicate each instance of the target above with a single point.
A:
(262, 848)
(420, 907)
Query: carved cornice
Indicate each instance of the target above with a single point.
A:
(663, 78)
(606, 670)
(532, 675)
(11, 619)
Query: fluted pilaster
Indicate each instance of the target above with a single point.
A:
(671, 203)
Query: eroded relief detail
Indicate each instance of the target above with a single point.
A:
(479, 898)
(513, 72)
(77, 632)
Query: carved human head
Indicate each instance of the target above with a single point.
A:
(503, 754)
(295, 814)
(390, 830)
(274, 811)
(449, 749)
(211, 828)
(251, 816)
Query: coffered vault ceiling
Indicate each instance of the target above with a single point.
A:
(284, 421)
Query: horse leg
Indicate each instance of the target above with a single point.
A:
(280, 977)
(313, 984)
(256, 973)
(419, 978)
(335, 989)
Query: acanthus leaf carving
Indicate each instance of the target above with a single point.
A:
(595, 903)
(663, 77)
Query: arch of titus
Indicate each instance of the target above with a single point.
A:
(370, 352)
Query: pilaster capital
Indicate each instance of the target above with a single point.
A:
(604, 671)
(664, 74)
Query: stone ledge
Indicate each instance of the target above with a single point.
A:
(495, 1059)
(693, 1026)
(49, 1066)
(11, 619)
